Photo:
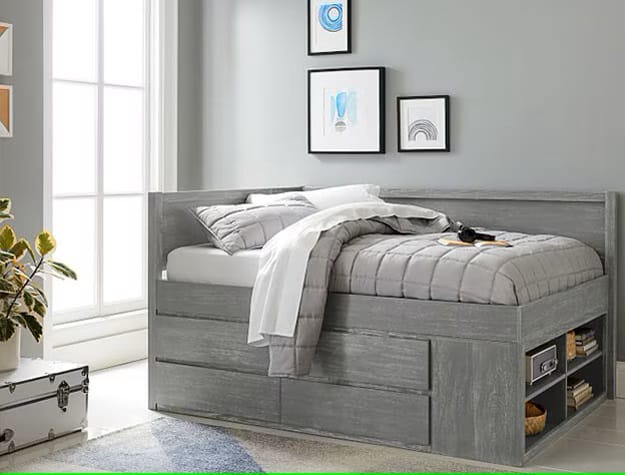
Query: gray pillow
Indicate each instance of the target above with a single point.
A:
(249, 226)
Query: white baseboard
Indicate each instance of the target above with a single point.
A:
(620, 379)
(105, 352)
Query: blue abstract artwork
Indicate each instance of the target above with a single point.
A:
(331, 16)
(343, 110)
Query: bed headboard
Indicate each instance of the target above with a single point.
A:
(171, 224)
(588, 217)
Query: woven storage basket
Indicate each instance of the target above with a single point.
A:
(535, 418)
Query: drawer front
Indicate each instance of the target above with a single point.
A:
(383, 415)
(380, 360)
(222, 345)
(217, 392)
(33, 423)
(203, 301)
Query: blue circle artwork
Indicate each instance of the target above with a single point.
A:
(331, 16)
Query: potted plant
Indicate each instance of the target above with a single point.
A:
(23, 303)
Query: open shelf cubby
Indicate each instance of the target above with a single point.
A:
(551, 391)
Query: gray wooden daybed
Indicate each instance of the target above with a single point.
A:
(427, 375)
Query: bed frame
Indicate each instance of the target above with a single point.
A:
(442, 377)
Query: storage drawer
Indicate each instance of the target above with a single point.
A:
(217, 392)
(222, 345)
(359, 412)
(380, 360)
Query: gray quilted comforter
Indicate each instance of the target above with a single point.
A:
(368, 257)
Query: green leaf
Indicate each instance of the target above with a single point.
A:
(6, 256)
(7, 328)
(6, 286)
(29, 300)
(40, 293)
(7, 238)
(45, 243)
(31, 323)
(63, 270)
(5, 205)
(20, 248)
(39, 308)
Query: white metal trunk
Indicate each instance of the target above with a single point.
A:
(40, 401)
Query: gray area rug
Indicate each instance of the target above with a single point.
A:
(172, 445)
(163, 445)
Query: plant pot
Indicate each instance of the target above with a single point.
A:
(10, 352)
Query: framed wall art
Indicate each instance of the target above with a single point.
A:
(6, 49)
(346, 110)
(423, 124)
(6, 111)
(329, 27)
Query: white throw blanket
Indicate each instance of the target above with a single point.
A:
(278, 288)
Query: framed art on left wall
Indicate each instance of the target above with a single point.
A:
(6, 49)
(6, 111)
(346, 110)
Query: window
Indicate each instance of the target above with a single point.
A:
(100, 154)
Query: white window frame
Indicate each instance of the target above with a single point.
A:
(160, 172)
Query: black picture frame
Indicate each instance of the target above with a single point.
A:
(400, 126)
(381, 149)
(348, 22)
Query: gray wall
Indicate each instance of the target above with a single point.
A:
(536, 86)
(21, 157)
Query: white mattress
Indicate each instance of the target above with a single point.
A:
(204, 264)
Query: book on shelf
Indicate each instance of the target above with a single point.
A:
(584, 334)
(577, 404)
(587, 349)
(573, 382)
(577, 391)
(570, 346)
(580, 396)
(589, 352)
(585, 341)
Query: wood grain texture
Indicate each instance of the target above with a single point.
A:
(494, 195)
(611, 269)
(199, 300)
(218, 344)
(219, 419)
(422, 317)
(559, 313)
(222, 392)
(383, 361)
(382, 415)
(155, 211)
(476, 355)
(477, 404)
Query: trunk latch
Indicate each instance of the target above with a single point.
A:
(62, 396)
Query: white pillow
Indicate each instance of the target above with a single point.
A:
(325, 197)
